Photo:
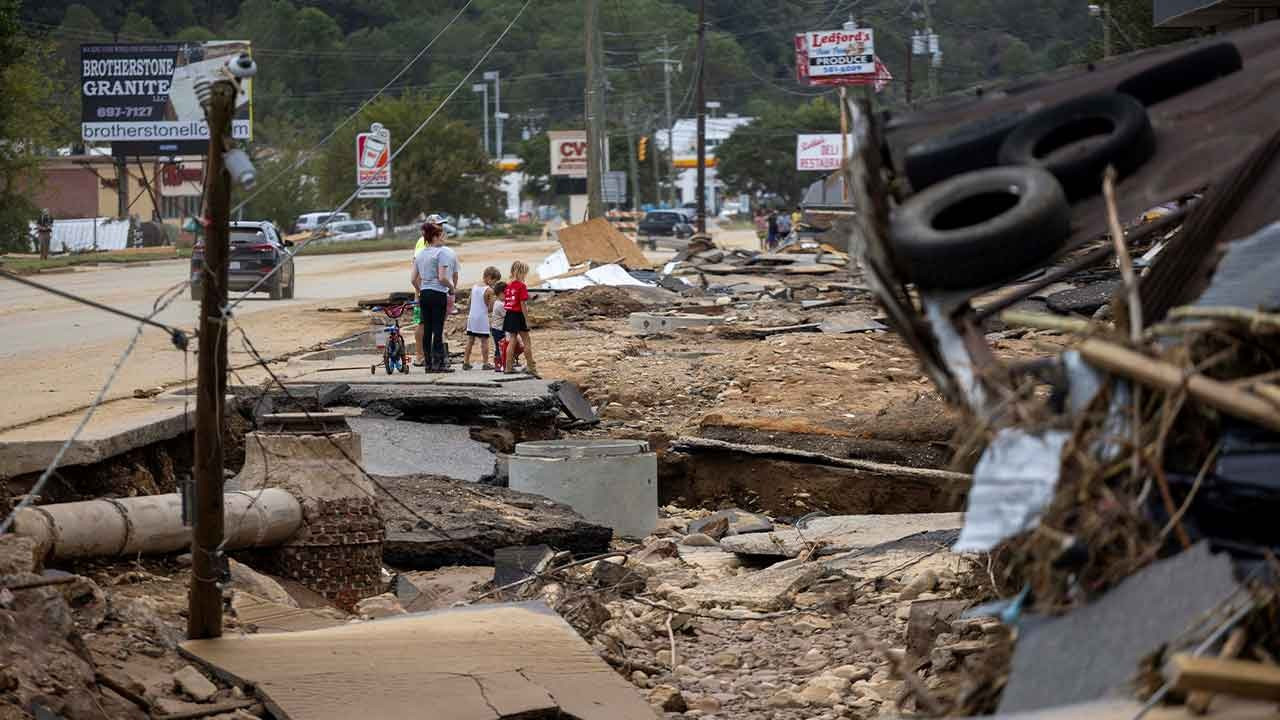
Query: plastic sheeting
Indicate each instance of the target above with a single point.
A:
(554, 265)
(1012, 485)
(80, 235)
(613, 275)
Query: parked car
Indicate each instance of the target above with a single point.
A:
(316, 220)
(256, 248)
(665, 223)
(352, 230)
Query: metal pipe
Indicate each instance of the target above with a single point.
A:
(152, 524)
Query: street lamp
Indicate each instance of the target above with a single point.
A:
(498, 115)
(484, 89)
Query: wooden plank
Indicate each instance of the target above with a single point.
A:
(473, 663)
(599, 242)
(1169, 377)
(1240, 678)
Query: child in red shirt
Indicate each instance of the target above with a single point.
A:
(514, 298)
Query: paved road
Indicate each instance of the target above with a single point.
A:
(55, 354)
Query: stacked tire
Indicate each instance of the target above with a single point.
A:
(993, 197)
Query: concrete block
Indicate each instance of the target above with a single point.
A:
(651, 323)
(611, 482)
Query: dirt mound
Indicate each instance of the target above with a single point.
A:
(592, 302)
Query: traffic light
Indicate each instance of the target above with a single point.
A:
(644, 148)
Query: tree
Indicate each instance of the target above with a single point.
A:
(139, 27)
(760, 158)
(26, 121)
(288, 189)
(444, 169)
(535, 158)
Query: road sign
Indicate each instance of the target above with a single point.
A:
(373, 159)
(372, 192)
(613, 187)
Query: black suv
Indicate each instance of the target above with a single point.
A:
(665, 223)
(256, 248)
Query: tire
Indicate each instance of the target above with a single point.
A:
(970, 147)
(1120, 120)
(288, 291)
(1183, 73)
(980, 228)
(276, 288)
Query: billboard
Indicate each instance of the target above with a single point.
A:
(373, 162)
(835, 53)
(181, 178)
(821, 151)
(568, 153)
(144, 95)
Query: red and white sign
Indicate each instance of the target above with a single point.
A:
(184, 178)
(569, 153)
(821, 152)
(373, 158)
(839, 57)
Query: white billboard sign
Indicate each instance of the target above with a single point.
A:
(821, 151)
(833, 53)
(569, 153)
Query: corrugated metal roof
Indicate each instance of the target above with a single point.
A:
(81, 235)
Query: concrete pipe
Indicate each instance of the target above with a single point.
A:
(609, 482)
(152, 524)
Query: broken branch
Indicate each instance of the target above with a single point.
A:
(1132, 299)
(894, 471)
(1168, 377)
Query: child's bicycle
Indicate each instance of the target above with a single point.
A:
(395, 356)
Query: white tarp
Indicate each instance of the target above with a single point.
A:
(1012, 485)
(612, 275)
(80, 235)
(553, 265)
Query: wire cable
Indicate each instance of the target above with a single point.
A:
(178, 337)
(36, 489)
(226, 311)
(304, 157)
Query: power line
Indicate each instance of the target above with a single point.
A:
(304, 157)
(226, 311)
(158, 307)
(178, 337)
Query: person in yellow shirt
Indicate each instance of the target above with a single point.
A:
(796, 217)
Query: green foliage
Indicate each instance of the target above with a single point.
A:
(285, 199)
(26, 123)
(444, 169)
(535, 154)
(761, 157)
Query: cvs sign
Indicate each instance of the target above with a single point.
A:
(569, 153)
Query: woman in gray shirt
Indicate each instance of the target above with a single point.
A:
(435, 277)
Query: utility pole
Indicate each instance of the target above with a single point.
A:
(205, 602)
(911, 51)
(700, 101)
(667, 62)
(932, 50)
(483, 89)
(657, 176)
(498, 115)
(1106, 28)
(633, 164)
(595, 121)
(122, 186)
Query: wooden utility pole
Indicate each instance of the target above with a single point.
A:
(1106, 28)
(595, 119)
(657, 175)
(633, 163)
(122, 186)
(205, 601)
(911, 51)
(700, 102)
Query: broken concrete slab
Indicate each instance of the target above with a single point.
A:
(420, 591)
(116, 428)
(1067, 660)
(574, 403)
(766, 590)
(483, 663)
(466, 518)
(651, 323)
(841, 533)
(850, 322)
(740, 522)
(257, 614)
(396, 448)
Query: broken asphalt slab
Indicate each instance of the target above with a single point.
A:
(466, 519)
(1094, 651)
(841, 533)
(766, 590)
(483, 663)
(397, 448)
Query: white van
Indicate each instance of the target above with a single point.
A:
(314, 220)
